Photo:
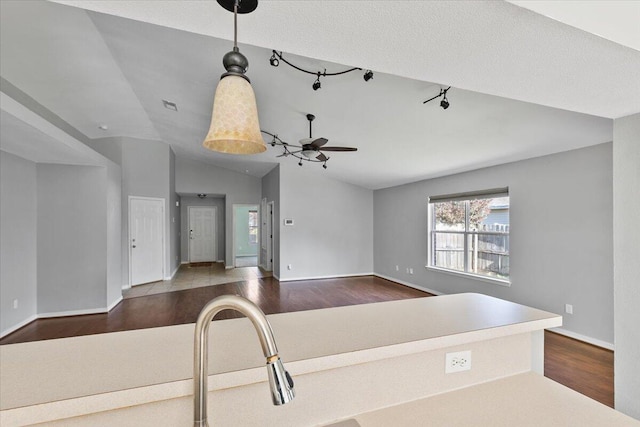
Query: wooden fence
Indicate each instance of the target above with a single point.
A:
(488, 252)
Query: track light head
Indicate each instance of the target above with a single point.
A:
(274, 61)
(300, 163)
(324, 166)
(368, 75)
(316, 84)
(444, 103)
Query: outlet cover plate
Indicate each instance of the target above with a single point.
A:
(457, 362)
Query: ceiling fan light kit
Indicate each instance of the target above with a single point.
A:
(309, 150)
(235, 128)
(276, 57)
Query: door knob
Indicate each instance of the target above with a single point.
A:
(133, 246)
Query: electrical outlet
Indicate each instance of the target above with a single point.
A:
(457, 362)
(15, 303)
(397, 268)
(411, 271)
(568, 308)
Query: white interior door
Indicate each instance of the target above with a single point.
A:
(202, 234)
(146, 240)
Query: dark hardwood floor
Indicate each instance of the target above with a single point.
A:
(580, 366)
(583, 367)
(174, 308)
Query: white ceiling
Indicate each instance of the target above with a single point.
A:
(615, 20)
(93, 68)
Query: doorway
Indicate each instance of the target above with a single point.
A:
(202, 234)
(246, 229)
(146, 240)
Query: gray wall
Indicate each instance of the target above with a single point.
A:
(561, 235)
(72, 238)
(148, 170)
(193, 177)
(271, 192)
(219, 204)
(111, 148)
(174, 218)
(333, 223)
(626, 250)
(114, 230)
(145, 173)
(18, 241)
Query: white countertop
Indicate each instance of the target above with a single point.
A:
(520, 400)
(139, 366)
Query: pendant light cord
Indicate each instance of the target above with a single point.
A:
(235, 25)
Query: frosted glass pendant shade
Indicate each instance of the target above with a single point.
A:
(234, 123)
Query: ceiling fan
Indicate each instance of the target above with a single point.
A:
(310, 149)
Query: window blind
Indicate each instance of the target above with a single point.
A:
(471, 195)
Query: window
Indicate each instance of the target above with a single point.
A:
(469, 233)
(253, 227)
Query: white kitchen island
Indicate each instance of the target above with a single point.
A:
(362, 362)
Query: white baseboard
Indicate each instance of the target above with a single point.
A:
(172, 274)
(113, 304)
(275, 276)
(228, 267)
(72, 313)
(18, 325)
(220, 260)
(411, 285)
(580, 337)
(333, 276)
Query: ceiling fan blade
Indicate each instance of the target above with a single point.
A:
(322, 157)
(337, 149)
(319, 142)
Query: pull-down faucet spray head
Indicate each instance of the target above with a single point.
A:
(280, 381)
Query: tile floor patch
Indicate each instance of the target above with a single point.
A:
(198, 275)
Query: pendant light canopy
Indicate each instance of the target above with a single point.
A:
(235, 128)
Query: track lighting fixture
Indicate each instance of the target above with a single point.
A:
(445, 102)
(324, 166)
(300, 163)
(276, 57)
(274, 61)
(316, 84)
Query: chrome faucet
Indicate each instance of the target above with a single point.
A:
(280, 381)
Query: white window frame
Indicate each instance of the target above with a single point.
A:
(500, 192)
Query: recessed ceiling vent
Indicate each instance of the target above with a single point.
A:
(169, 105)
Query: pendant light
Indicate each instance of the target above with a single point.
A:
(234, 122)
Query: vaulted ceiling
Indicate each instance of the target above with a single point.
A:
(524, 85)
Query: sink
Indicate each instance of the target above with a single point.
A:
(345, 423)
